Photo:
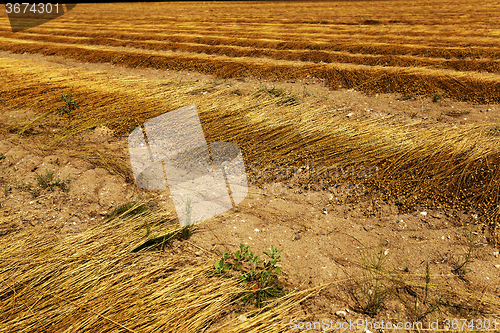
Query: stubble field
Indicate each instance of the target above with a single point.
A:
(429, 47)
(408, 91)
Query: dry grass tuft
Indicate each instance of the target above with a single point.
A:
(93, 282)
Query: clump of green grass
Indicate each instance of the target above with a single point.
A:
(306, 92)
(48, 181)
(129, 209)
(2, 157)
(260, 275)
(20, 185)
(69, 106)
(437, 98)
(461, 266)
(44, 181)
(373, 289)
(417, 299)
(286, 97)
(376, 289)
(182, 233)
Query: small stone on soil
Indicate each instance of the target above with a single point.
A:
(341, 314)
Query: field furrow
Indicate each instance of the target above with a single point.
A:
(394, 46)
(323, 56)
(463, 86)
